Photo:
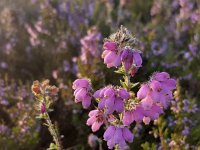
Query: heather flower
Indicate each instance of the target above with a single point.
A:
(90, 44)
(111, 55)
(159, 49)
(153, 113)
(4, 129)
(114, 56)
(96, 119)
(111, 99)
(117, 136)
(42, 108)
(186, 131)
(110, 46)
(195, 17)
(158, 90)
(131, 60)
(154, 96)
(135, 114)
(193, 48)
(118, 50)
(82, 88)
(139, 114)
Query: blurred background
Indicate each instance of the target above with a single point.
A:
(61, 40)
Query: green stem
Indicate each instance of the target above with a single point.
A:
(127, 81)
(52, 128)
(53, 131)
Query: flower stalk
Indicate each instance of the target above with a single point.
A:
(53, 131)
(45, 96)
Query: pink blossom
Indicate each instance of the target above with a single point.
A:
(131, 60)
(96, 119)
(117, 135)
(111, 99)
(81, 93)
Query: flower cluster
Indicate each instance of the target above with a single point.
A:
(117, 135)
(157, 91)
(90, 45)
(114, 57)
(118, 107)
(81, 93)
(111, 99)
(116, 52)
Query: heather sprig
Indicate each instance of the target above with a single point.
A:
(45, 95)
(119, 107)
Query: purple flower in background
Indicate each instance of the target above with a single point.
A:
(81, 93)
(4, 129)
(195, 17)
(158, 49)
(3, 65)
(117, 135)
(90, 45)
(66, 66)
(186, 131)
(193, 48)
(111, 99)
(96, 119)
(33, 36)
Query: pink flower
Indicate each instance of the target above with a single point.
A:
(81, 93)
(90, 45)
(111, 99)
(131, 60)
(130, 116)
(158, 90)
(111, 46)
(111, 55)
(81, 83)
(96, 119)
(117, 135)
(42, 108)
(155, 96)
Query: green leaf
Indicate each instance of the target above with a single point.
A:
(41, 116)
(52, 146)
(120, 71)
(134, 84)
